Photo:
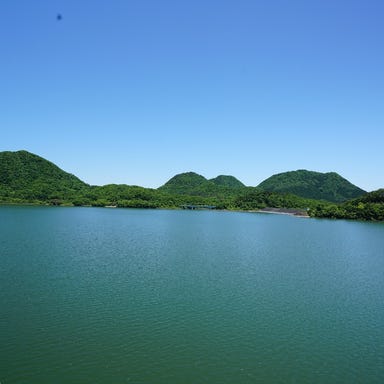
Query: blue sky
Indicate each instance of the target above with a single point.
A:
(135, 92)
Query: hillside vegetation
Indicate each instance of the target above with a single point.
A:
(193, 184)
(313, 185)
(368, 207)
(28, 178)
(227, 181)
(187, 183)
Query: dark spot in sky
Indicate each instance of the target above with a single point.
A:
(59, 17)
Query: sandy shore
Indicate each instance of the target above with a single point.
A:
(284, 211)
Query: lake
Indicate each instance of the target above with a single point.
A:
(98, 295)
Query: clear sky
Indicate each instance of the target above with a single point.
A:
(136, 91)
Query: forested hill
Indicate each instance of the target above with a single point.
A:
(227, 181)
(184, 183)
(313, 185)
(26, 176)
(191, 183)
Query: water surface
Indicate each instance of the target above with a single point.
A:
(93, 295)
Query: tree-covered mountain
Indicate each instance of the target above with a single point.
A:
(227, 181)
(193, 184)
(313, 185)
(29, 177)
(186, 183)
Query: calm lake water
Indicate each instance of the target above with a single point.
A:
(93, 295)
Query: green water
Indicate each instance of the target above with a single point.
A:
(94, 295)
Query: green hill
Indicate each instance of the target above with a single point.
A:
(312, 185)
(193, 184)
(187, 183)
(28, 177)
(227, 181)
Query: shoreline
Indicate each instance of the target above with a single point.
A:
(284, 211)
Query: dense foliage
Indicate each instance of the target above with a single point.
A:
(255, 198)
(192, 184)
(313, 185)
(27, 178)
(367, 207)
(186, 183)
(227, 181)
